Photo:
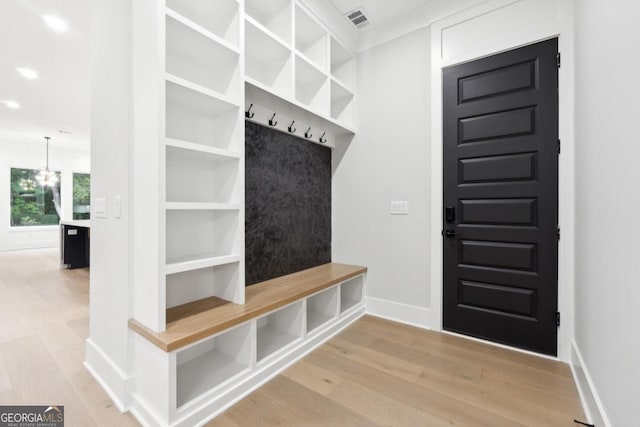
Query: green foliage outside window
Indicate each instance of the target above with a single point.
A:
(31, 203)
(81, 196)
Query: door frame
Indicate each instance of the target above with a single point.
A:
(552, 18)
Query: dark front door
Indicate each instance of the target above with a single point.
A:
(500, 214)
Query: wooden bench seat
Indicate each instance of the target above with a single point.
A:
(194, 321)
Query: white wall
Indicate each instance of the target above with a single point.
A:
(607, 205)
(28, 155)
(111, 91)
(388, 160)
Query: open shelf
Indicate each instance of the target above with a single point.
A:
(311, 39)
(267, 60)
(342, 64)
(219, 17)
(311, 86)
(351, 293)
(199, 118)
(341, 103)
(207, 365)
(278, 329)
(275, 15)
(201, 178)
(193, 280)
(201, 148)
(199, 234)
(197, 58)
(321, 308)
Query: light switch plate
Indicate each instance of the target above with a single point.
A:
(100, 208)
(400, 207)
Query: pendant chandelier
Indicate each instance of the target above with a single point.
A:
(45, 177)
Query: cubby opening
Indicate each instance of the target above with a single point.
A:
(194, 57)
(351, 293)
(275, 15)
(311, 86)
(342, 64)
(268, 61)
(219, 17)
(278, 329)
(198, 177)
(220, 281)
(194, 235)
(196, 117)
(207, 365)
(311, 39)
(321, 308)
(341, 104)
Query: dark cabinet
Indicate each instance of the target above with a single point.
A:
(75, 246)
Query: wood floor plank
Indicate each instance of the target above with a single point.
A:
(314, 378)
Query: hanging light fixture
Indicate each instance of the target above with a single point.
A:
(45, 177)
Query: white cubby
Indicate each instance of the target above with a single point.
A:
(267, 61)
(351, 293)
(219, 17)
(192, 115)
(343, 64)
(311, 86)
(341, 103)
(216, 281)
(207, 365)
(277, 330)
(193, 56)
(194, 176)
(311, 39)
(274, 15)
(321, 308)
(196, 235)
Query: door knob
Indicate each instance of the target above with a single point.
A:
(451, 233)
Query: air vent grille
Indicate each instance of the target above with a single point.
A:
(358, 18)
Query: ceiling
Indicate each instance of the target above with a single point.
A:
(379, 12)
(59, 98)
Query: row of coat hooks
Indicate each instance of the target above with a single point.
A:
(291, 129)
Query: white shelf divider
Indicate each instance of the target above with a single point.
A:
(179, 265)
(170, 142)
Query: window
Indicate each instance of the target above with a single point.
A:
(31, 203)
(81, 195)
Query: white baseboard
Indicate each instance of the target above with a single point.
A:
(591, 402)
(399, 312)
(110, 377)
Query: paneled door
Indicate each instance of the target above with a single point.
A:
(500, 214)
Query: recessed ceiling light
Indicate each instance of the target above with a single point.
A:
(27, 73)
(11, 104)
(55, 23)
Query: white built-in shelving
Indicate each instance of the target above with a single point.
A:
(322, 308)
(277, 330)
(203, 367)
(351, 293)
(297, 67)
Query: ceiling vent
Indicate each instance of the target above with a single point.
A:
(358, 18)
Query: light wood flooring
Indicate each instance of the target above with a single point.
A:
(375, 373)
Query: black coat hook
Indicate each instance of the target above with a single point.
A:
(271, 122)
(291, 128)
(323, 141)
(248, 114)
(307, 134)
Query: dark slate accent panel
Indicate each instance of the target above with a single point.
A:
(287, 204)
(500, 255)
(519, 212)
(506, 124)
(510, 167)
(498, 297)
(501, 81)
